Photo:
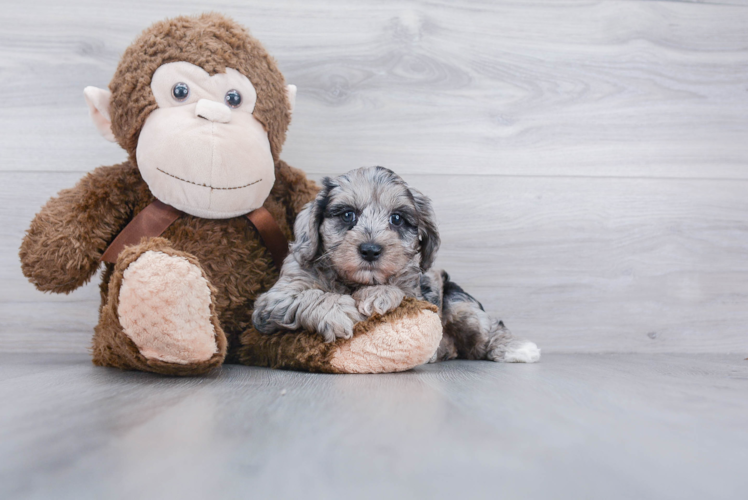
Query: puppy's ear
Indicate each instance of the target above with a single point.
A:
(305, 247)
(428, 235)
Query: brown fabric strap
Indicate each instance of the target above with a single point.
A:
(156, 218)
(152, 221)
(271, 234)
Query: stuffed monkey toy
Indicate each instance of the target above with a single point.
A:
(194, 225)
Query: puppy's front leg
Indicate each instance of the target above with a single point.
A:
(378, 299)
(329, 314)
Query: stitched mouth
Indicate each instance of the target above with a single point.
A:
(207, 186)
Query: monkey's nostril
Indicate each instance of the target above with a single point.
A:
(213, 111)
(370, 251)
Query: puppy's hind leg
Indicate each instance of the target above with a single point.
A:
(470, 333)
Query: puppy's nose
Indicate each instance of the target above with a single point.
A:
(370, 251)
(213, 111)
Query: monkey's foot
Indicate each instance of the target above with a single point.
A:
(398, 340)
(164, 307)
(160, 314)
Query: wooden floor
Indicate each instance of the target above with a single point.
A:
(584, 426)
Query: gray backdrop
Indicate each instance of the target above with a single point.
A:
(587, 159)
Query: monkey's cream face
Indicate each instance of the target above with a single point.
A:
(202, 151)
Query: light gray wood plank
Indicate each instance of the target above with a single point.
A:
(578, 265)
(573, 426)
(575, 263)
(615, 88)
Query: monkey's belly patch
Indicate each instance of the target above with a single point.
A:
(206, 185)
(164, 307)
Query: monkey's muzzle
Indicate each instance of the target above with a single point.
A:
(213, 111)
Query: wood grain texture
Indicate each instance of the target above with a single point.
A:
(620, 88)
(574, 426)
(578, 265)
(587, 160)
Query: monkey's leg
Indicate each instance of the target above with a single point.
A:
(160, 314)
(470, 333)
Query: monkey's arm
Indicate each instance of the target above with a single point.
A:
(63, 245)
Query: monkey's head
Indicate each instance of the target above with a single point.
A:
(202, 110)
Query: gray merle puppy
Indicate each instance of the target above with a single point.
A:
(365, 243)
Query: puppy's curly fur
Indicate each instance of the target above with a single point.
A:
(367, 241)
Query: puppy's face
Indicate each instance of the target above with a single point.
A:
(371, 226)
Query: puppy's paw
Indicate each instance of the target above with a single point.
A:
(518, 351)
(378, 299)
(527, 352)
(339, 315)
(271, 313)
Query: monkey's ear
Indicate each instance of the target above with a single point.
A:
(98, 105)
(291, 93)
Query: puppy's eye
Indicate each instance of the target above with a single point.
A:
(180, 91)
(348, 216)
(233, 98)
(396, 220)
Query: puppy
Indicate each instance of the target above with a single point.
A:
(365, 243)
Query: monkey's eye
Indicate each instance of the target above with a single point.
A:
(396, 220)
(233, 98)
(348, 216)
(180, 91)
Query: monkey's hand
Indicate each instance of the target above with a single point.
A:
(63, 245)
(378, 299)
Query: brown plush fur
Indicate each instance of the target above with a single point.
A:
(212, 42)
(308, 351)
(63, 246)
(111, 347)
